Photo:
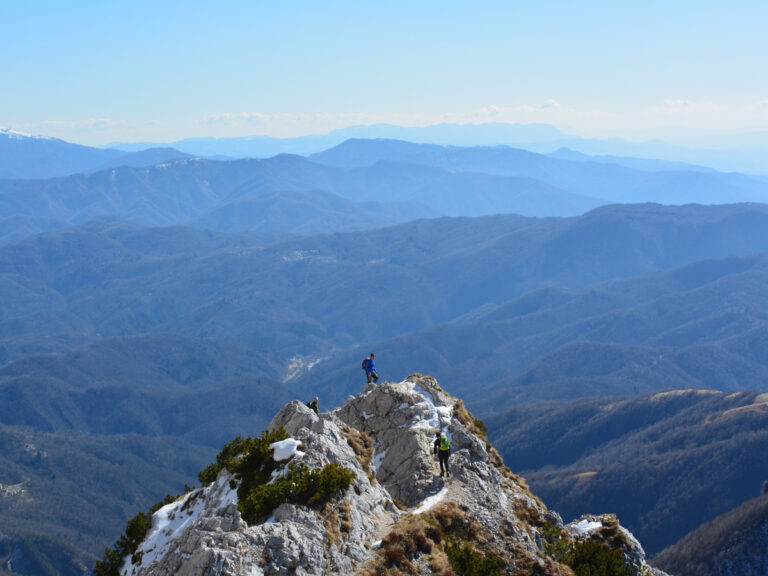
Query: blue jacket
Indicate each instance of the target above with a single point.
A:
(370, 367)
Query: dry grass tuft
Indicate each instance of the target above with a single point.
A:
(362, 445)
(610, 533)
(346, 516)
(463, 415)
(417, 543)
(399, 503)
(413, 543)
(524, 564)
(331, 520)
(529, 514)
(452, 521)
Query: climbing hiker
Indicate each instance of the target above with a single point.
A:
(369, 365)
(442, 451)
(313, 405)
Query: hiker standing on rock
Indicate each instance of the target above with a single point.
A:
(369, 365)
(442, 451)
(314, 405)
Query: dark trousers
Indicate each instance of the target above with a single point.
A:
(442, 456)
(373, 376)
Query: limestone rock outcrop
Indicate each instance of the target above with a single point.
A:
(399, 515)
(605, 528)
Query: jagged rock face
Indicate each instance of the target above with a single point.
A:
(214, 539)
(385, 436)
(402, 419)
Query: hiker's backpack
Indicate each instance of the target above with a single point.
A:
(365, 363)
(445, 444)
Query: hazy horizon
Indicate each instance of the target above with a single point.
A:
(95, 73)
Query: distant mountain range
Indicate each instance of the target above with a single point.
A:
(645, 164)
(284, 193)
(23, 156)
(560, 309)
(358, 185)
(488, 134)
(607, 181)
(37, 157)
(728, 152)
(33, 157)
(144, 158)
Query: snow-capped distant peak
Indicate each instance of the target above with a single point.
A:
(16, 135)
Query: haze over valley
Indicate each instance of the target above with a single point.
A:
(550, 225)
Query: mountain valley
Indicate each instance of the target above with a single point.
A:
(151, 314)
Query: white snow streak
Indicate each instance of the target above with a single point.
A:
(378, 458)
(172, 519)
(434, 417)
(431, 501)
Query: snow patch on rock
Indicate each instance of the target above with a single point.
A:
(286, 449)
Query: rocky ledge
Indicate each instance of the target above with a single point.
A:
(398, 516)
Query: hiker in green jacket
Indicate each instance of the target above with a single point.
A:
(443, 451)
(314, 405)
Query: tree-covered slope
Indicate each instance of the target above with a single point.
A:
(663, 463)
(64, 495)
(308, 296)
(733, 544)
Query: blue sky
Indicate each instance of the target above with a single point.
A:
(96, 72)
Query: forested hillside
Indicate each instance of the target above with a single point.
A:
(189, 337)
(733, 544)
(663, 463)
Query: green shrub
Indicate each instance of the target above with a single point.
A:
(135, 531)
(299, 486)
(209, 473)
(326, 483)
(589, 558)
(111, 563)
(465, 561)
(251, 461)
(167, 500)
(249, 458)
(556, 545)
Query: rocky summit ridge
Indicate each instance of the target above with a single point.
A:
(398, 515)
